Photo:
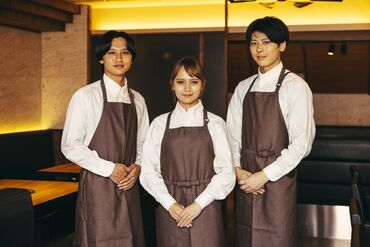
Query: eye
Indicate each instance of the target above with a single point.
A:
(111, 52)
(126, 53)
(266, 42)
(195, 82)
(180, 82)
(253, 43)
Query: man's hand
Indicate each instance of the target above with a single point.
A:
(133, 174)
(175, 210)
(189, 214)
(119, 173)
(242, 178)
(254, 183)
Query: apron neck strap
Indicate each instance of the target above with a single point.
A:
(250, 87)
(103, 90)
(168, 121)
(281, 79)
(205, 118)
(132, 99)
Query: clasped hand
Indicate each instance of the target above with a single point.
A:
(251, 182)
(184, 216)
(125, 177)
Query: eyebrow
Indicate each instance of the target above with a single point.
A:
(252, 39)
(114, 48)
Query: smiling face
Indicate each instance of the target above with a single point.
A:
(265, 53)
(117, 61)
(187, 88)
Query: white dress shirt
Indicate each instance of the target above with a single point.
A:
(83, 115)
(221, 183)
(295, 99)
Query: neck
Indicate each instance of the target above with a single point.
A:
(120, 80)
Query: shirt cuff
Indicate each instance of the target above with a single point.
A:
(236, 160)
(204, 199)
(138, 161)
(167, 201)
(271, 172)
(106, 168)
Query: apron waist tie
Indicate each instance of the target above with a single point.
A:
(187, 183)
(260, 153)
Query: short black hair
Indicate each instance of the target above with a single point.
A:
(105, 43)
(274, 28)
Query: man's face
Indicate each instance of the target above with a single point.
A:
(117, 61)
(265, 52)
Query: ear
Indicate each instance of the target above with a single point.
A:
(101, 61)
(282, 46)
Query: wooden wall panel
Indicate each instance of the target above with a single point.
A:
(340, 73)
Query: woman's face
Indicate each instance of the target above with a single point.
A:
(187, 88)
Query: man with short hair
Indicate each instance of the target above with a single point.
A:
(271, 128)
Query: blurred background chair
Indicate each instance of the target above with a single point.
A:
(359, 208)
(16, 218)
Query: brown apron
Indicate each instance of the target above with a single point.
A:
(187, 168)
(269, 219)
(105, 215)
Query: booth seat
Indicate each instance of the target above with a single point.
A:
(324, 175)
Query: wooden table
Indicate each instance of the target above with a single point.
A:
(64, 172)
(44, 191)
(65, 168)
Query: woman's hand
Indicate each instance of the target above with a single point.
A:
(175, 210)
(189, 214)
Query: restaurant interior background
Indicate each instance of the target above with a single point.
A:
(45, 58)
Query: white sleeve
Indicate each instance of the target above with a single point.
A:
(150, 176)
(142, 129)
(223, 181)
(301, 132)
(74, 132)
(234, 125)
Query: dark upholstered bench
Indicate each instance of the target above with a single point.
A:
(23, 153)
(324, 175)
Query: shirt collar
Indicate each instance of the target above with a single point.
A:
(113, 87)
(271, 75)
(192, 110)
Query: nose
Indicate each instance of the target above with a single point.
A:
(187, 86)
(118, 57)
(259, 47)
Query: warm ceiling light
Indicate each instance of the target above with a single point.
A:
(331, 49)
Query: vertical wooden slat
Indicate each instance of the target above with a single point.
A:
(201, 49)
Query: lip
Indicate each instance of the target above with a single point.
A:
(187, 95)
(261, 57)
(118, 65)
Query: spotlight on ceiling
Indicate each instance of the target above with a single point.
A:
(331, 49)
